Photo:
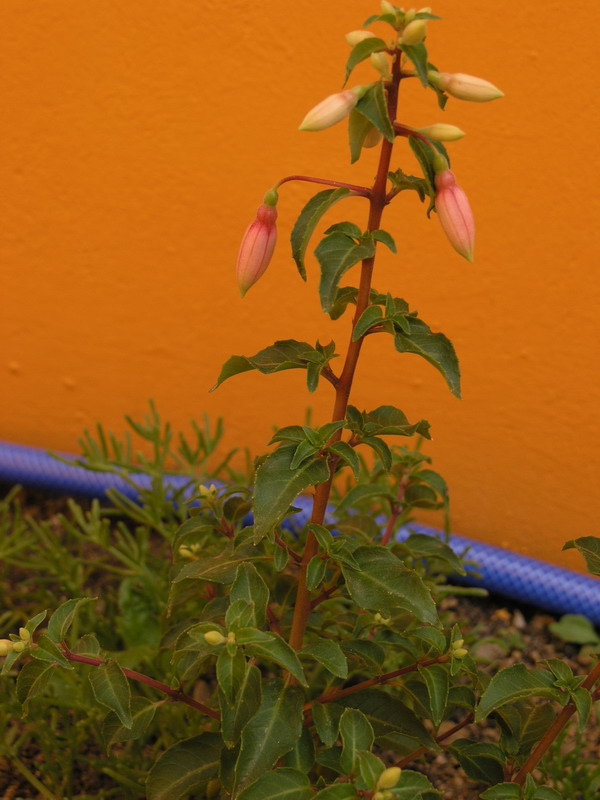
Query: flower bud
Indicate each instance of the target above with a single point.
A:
(414, 33)
(214, 638)
(457, 643)
(5, 646)
(18, 647)
(442, 132)
(207, 491)
(389, 778)
(354, 37)
(380, 62)
(461, 652)
(185, 552)
(454, 212)
(372, 138)
(231, 637)
(409, 15)
(331, 110)
(465, 87)
(24, 634)
(255, 252)
(387, 8)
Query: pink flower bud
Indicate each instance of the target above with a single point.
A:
(257, 247)
(465, 87)
(455, 213)
(331, 110)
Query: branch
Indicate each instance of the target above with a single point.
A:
(284, 546)
(175, 694)
(377, 681)
(363, 191)
(422, 750)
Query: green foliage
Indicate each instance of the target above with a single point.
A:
(589, 547)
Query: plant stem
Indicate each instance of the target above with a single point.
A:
(397, 508)
(422, 750)
(376, 681)
(559, 723)
(364, 191)
(377, 202)
(175, 694)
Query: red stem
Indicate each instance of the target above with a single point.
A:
(377, 202)
(364, 191)
(422, 750)
(138, 676)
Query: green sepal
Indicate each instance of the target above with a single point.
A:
(361, 51)
(373, 106)
(308, 220)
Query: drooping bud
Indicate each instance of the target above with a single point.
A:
(354, 37)
(380, 62)
(389, 778)
(214, 638)
(465, 87)
(442, 132)
(372, 138)
(6, 646)
(415, 32)
(257, 245)
(454, 211)
(332, 110)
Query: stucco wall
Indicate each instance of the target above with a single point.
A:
(138, 138)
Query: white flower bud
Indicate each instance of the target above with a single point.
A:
(442, 132)
(465, 87)
(354, 37)
(460, 652)
(331, 110)
(414, 33)
(24, 634)
(380, 62)
(6, 646)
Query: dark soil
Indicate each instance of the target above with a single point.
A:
(506, 634)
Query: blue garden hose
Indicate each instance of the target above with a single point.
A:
(500, 571)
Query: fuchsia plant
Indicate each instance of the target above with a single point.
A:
(328, 665)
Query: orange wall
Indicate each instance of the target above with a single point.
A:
(138, 138)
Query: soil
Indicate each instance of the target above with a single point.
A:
(526, 629)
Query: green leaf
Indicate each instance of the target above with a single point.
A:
(385, 238)
(437, 681)
(280, 784)
(388, 715)
(47, 650)
(360, 493)
(575, 628)
(413, 786)
(424, 156)
(418, 55)
(240, 614)
(385, 585)
(142, 714)
(270, 733)
(583, 703)
(515, 683)
(33, 624)
(221, 568)
(361, 51)
(276, 649)
(231, 669)
(547, 793)
(283, 354)
(302, 756)
(402, 182)
(329, 654)
(323, 535)
(248, 700)
(32, 680)
(372, 315)
(482, 761)
(248, 585)
(382, 450)
(326, 717)
(390, 421)
(303, 451)
(315, 573)
(369, 767)
(277, 486)
(423, 546)
(60, 622)
(111, 689)
(433, 347)
(349, 228)
(336, 791)
(346, 452)
(502, 791)
(589, 547)
(356, 733)
(373, 106)
(336, 254)
(534, 726)
(185, 767)
(308, 220)
(358, 129)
